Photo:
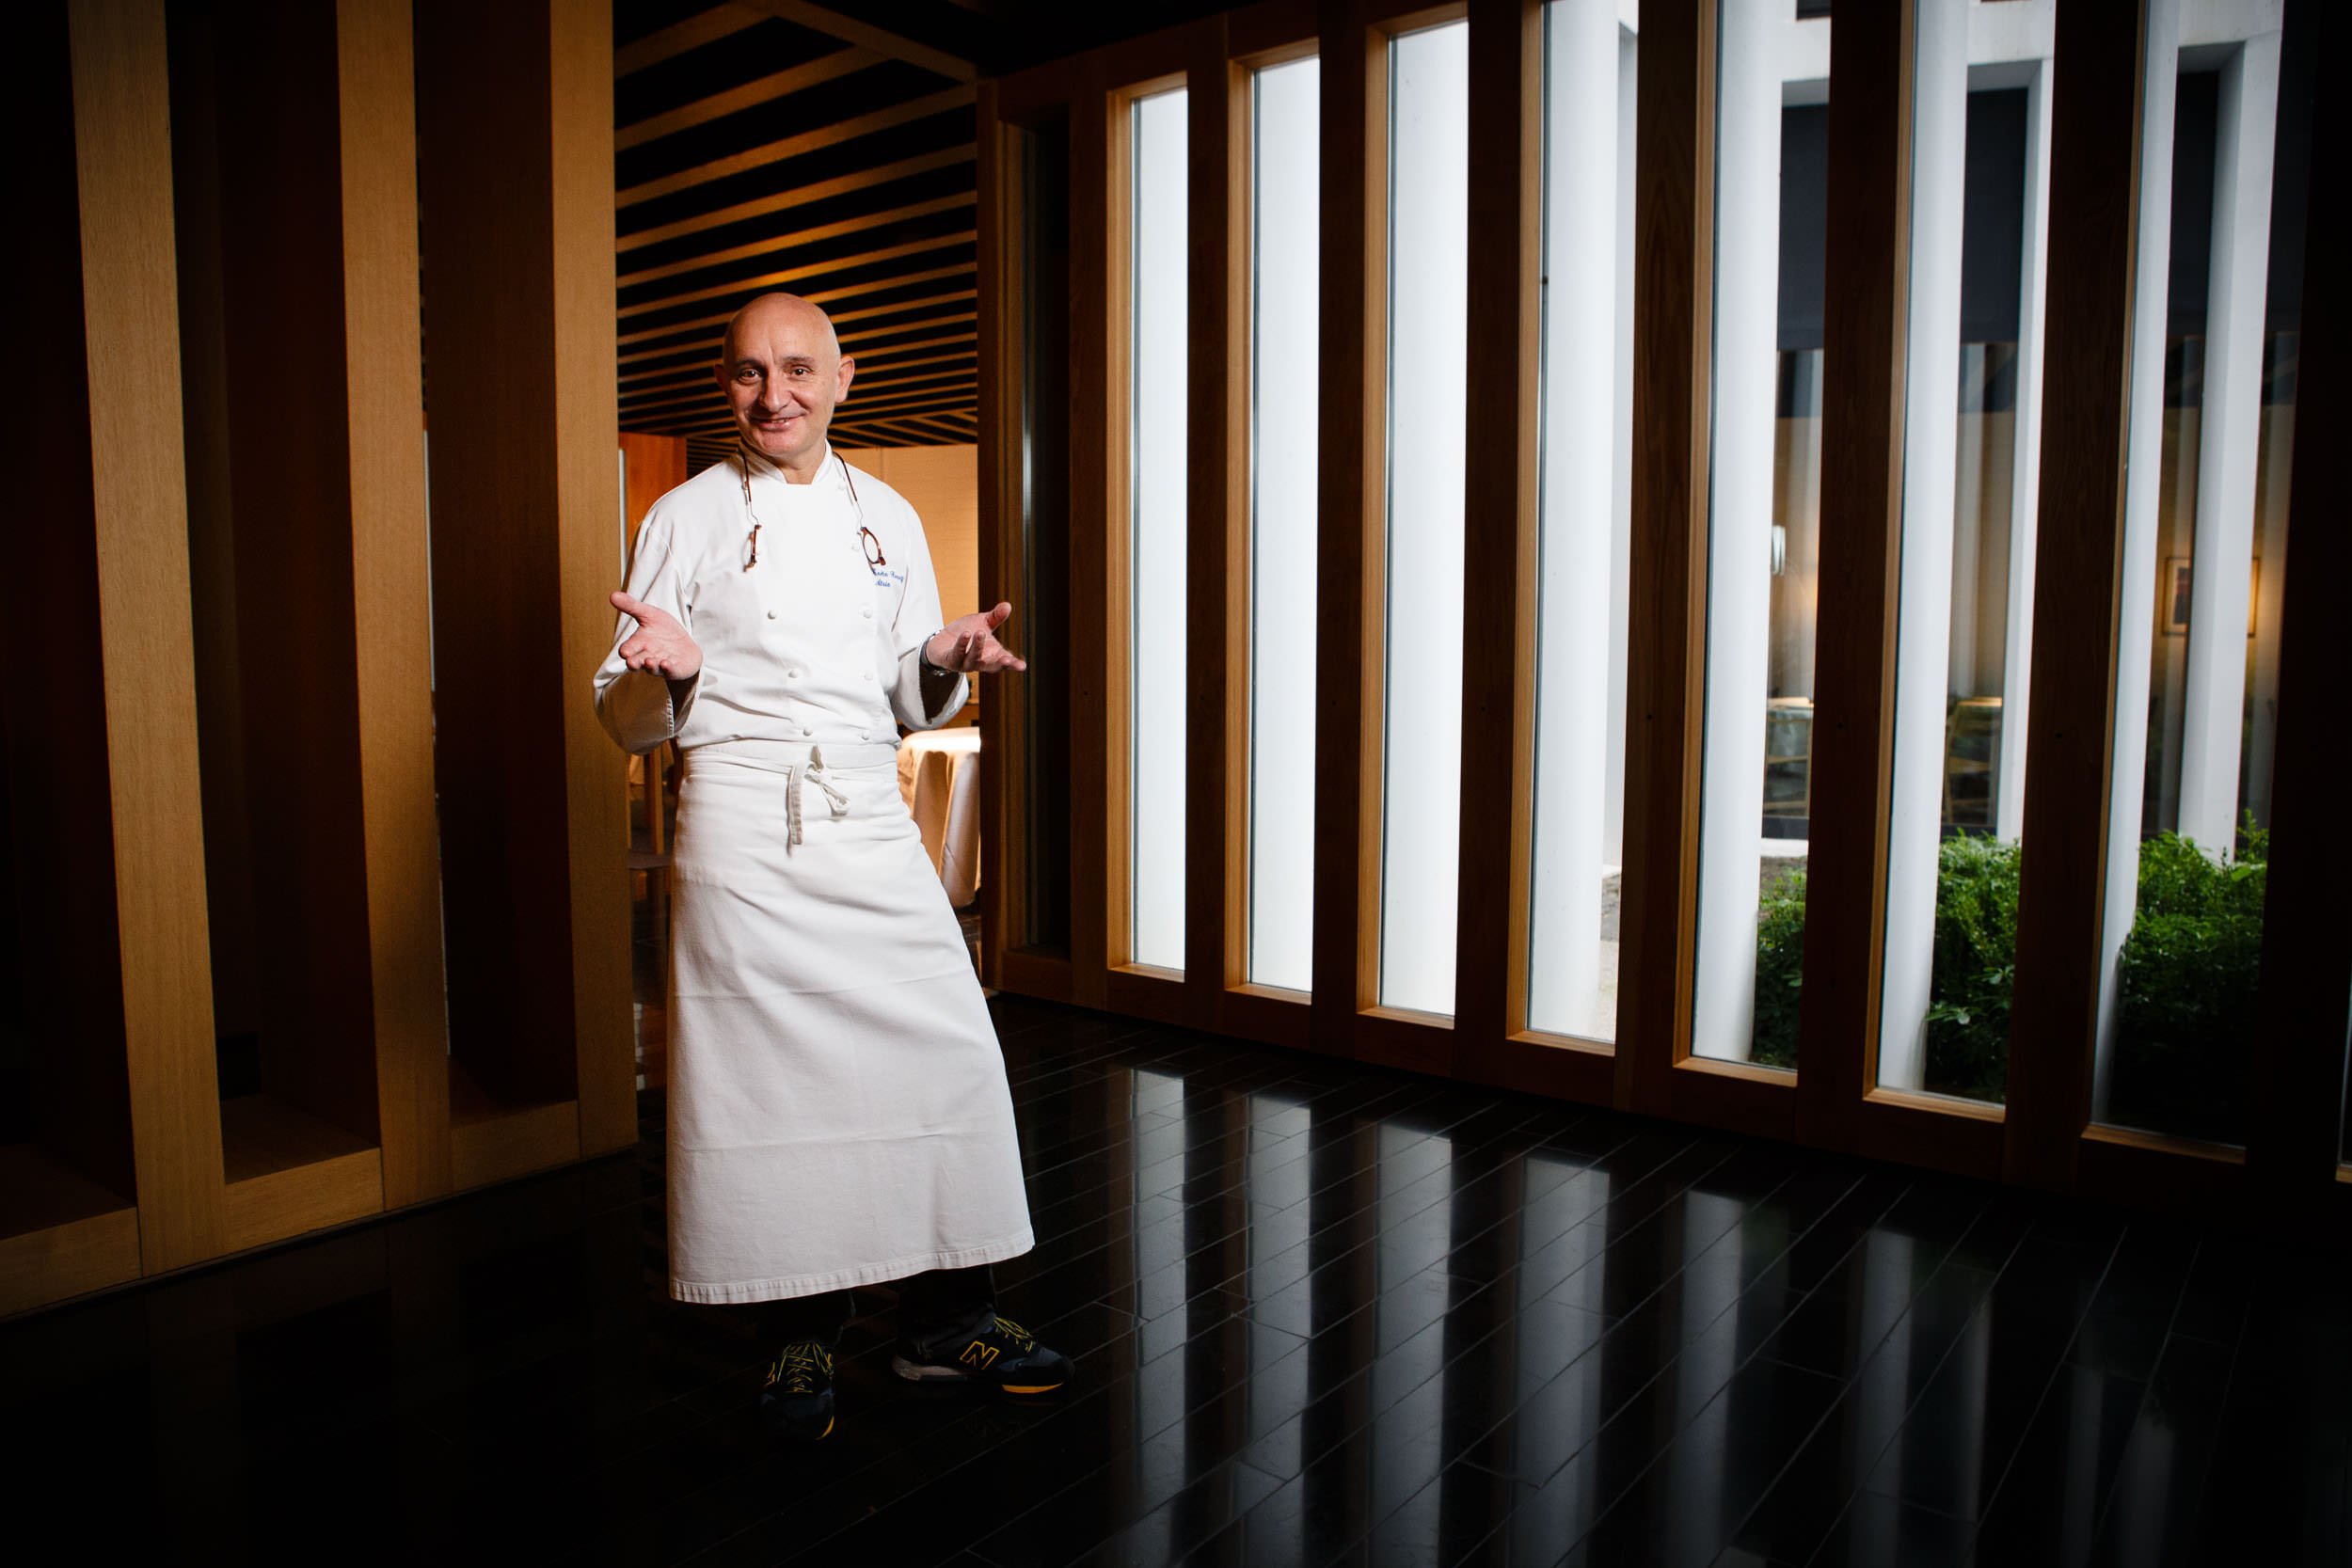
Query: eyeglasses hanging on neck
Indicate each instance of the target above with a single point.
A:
(866, 539)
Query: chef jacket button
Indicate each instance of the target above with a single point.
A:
(804, 729)
(792, 675)
(771, 615)
(862, 735)
(867, 612)
(865, 675)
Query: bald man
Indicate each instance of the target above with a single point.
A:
(838, 1110)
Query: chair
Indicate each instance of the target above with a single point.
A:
(1972, 762)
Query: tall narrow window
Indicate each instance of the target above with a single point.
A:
(1285, 206)
(1771, 205)
(1157, 658)
(1421, 670)
(1586, 519)
(2205, 565)
(1971, 466)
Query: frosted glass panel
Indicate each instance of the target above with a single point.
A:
(1156, 545)
(1284, 212)
(1586, 520)
(1421, 734)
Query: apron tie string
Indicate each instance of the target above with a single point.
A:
(811, 773)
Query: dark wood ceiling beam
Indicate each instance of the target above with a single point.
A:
(935, 431)
(821, 296)
(802, 237)
(677, 39)
(793, 147)
(745, 287)
(848, 29)
(781, 84)
(801, 196)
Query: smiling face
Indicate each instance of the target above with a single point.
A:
(783, 371)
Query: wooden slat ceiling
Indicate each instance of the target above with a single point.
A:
(753, 151)
(827, 151)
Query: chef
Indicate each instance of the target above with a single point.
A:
(838, 1110)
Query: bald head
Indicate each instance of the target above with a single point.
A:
(773, 310)
(783, 370)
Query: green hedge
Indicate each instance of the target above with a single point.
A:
(2185, 988)
(2186, 979)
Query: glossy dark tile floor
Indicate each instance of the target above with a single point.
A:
(1324, 1315)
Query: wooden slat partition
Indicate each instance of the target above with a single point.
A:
(1217, 510)
(391, 587)
(122, 145)
(1864, 389)
(291, 274)
(516, 179)
(1003, 839)
(1348, 483)
(1091, 614)
(1503, 402)
(1673, 322)
(586, 413)
(2077, 616)
(67, 1223)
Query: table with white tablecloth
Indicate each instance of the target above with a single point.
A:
(939, 775)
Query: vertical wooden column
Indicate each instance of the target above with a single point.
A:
(586, 415)
(1863, 385)
(123, 151)
(296, 159)
(2294, 1146)
(1502, 397)
(2095, 156)
(1002, 414)
(1217, 510)
(392, 592)
(1093, 622)
(515, 185)
(287, 531)
(1348, 491)
(1672, 316)
(66, 1217)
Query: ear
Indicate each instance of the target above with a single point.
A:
(719, 374)
(849, 369)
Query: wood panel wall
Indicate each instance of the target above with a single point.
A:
(2042, 1137)
(233, 770)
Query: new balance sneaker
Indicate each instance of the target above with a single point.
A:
(797, 1401)
(1003, 1355)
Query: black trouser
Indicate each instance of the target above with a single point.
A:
(935, 1308)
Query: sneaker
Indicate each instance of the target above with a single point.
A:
(1004, 1355)
(797, 1401)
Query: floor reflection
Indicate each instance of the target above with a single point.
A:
(1324, 1314)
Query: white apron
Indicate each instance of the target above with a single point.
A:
(838, 1110)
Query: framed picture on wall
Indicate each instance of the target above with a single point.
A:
(2175, 586)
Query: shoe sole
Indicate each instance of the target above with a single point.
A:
(915, 1373)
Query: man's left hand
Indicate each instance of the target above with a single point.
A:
(969, 645)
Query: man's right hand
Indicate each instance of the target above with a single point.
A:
(660, 645)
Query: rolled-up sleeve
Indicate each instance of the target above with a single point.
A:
(918, 618)
(636, 707)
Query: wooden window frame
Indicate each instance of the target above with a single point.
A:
(2043, 1135)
